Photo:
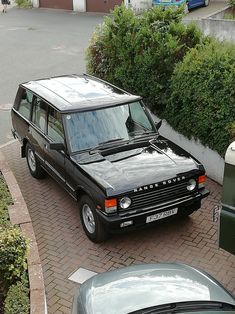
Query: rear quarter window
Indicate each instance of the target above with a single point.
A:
(25, 104)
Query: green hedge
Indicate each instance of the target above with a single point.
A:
(17, 300)
(13, 253)
(5, 200)
(139, 53)
(24, 3)
(202, 103)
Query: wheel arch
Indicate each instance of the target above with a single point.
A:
(81, 191)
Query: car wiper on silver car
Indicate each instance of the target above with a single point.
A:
(184, 307)
(107, 144)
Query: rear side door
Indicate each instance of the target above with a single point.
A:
(227, 214)
(54, 159)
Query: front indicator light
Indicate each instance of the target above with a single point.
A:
(125, 202)
(191, 185)
(201, 181)
(110, 205)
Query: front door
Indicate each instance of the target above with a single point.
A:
(101, 5)
(54, 160)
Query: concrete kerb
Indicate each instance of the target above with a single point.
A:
(19, 215)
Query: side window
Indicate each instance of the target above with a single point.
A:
(55, 127)
(39, 113)
(25, 104)
(138, 115)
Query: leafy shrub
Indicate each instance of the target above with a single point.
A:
(139, 53)
(231, 3)
(13, 253)
(23, 3)
(202, 102)
(5, 200)
(17, 300)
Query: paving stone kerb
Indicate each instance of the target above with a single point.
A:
(19, 215)
(63, 246)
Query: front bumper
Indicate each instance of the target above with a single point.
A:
(113, 222)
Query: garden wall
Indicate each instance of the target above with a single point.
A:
(215, 25)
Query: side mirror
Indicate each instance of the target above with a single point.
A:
(158, 124)
(57, 146)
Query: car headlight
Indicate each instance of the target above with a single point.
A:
(125, 202)
(191, 185)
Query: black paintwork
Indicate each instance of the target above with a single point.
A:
(135, 167)
(79, 92)
(149, 163)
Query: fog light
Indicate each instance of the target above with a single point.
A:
(126, 223)
(191, 185)
(125, 202)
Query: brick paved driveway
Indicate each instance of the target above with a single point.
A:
(63, 246)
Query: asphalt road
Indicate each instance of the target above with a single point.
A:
(38, 43)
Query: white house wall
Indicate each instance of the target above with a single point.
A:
(139, 4)
(79, 5)
(35, 3)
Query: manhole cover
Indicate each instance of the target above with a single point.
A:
(5, 107)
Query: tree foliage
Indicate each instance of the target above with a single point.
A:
(139, 53)
(202, 102)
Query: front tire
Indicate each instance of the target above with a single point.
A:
(91, 223)
(33, 163)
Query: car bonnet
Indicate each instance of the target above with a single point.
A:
(136, 287)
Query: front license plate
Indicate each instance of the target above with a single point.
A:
(162, 215)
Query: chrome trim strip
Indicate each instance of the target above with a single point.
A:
(70, 187)
(154, 208)
(55, 171)
(42, 160)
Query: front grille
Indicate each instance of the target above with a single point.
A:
(150, 198)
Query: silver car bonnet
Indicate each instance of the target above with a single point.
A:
(136, 287)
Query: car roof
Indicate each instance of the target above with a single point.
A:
(141, 286)
(79, 92)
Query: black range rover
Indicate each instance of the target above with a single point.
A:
(102, 145)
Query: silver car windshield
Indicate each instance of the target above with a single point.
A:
(90, 129)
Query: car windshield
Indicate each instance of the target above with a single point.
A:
(90, 129)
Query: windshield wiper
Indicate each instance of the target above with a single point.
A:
(139, 136)
(107, 144)
(141, 133)
(183, 307)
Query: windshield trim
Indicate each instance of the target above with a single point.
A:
(145, 109)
